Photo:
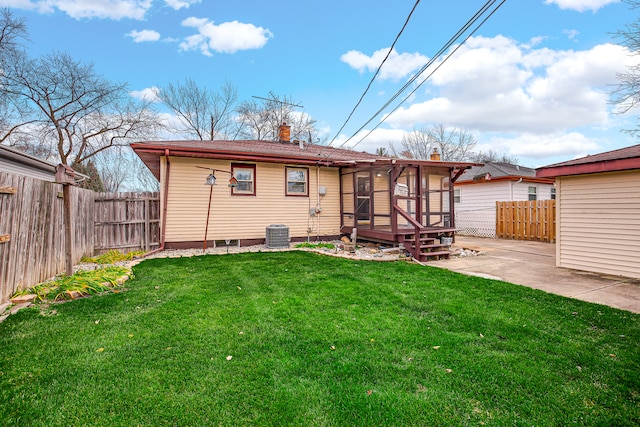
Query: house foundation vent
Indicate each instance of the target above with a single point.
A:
(277, 236)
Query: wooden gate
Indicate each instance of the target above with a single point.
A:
(126, 222)
(526, 220)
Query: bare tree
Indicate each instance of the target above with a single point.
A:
(453, 144)
(202, 113)
(12, 32)
(261, 118)
(120, 169)
(492, 156)
(255, 121)
(626, 94)
(76, 111)
(382, 151)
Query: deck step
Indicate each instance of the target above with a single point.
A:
(428, 256)
(434, 246)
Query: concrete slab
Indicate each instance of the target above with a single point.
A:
(532, 264)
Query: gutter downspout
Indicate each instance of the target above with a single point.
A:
(318, 207)
(163, 226)
(512, 184)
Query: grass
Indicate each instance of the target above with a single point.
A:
(318, 341)
(315, 245)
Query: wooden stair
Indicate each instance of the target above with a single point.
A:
(430, 248)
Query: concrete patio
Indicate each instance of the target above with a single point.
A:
(532, 264)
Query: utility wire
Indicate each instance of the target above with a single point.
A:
(376, 73)
(430, 74)
(440, 52)
(482, 11)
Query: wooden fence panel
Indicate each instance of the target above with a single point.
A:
(33, 220)
(32, 240)
(526, 220)
(127, 222)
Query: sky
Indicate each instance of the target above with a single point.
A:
(532, 82)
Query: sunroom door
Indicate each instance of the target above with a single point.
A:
(363, 198)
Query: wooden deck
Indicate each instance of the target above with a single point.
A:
(424, 246)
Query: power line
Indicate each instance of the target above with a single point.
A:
(482, 11)
(377, 72)
(440, 52)
(430, 74)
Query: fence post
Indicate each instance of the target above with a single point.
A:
(147, 218)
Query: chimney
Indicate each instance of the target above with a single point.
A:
(435, 155)
(284, 133)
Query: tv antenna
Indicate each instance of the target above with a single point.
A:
(275, 99)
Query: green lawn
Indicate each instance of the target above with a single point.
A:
(296, 338)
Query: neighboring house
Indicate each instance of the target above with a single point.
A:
(479, 188)
(316, 192)
(14, 161)
(598, 212)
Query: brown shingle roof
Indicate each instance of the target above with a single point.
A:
(266, 151)
(616, 160)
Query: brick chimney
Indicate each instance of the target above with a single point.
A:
(435, 155)
(284, 133)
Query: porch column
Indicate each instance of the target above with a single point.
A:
(419, 194)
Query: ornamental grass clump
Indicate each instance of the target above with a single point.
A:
(80, 284)
(112, 257)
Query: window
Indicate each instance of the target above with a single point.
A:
(246, 176)
(532, 193)
(297, 182)
(456, 195)
(553, 193)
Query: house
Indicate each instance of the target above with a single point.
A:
(316, 192)
(598, 212)
(15, 161)
(480, 187)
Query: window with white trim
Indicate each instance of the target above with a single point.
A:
(533, 193)
(456, 195)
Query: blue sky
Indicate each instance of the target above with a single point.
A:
(533, 81)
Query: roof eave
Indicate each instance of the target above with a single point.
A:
(589, 168)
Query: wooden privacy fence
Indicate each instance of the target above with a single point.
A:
(32, 226)
(526, 220)
(32, 239)
(127, 222)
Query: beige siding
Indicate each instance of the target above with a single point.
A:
(599, 223)
(246, 217)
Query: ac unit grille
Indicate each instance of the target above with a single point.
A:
(277, 236)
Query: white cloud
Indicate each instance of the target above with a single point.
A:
(179, 4)
(397, 66)
(539, 147)
(147, 94)
(107, 9)
(497, 85)
(144, 36)
(581, 5)
(571, 34)
(228, 37)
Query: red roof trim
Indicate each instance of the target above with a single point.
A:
(588, 168)
(531, 179)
